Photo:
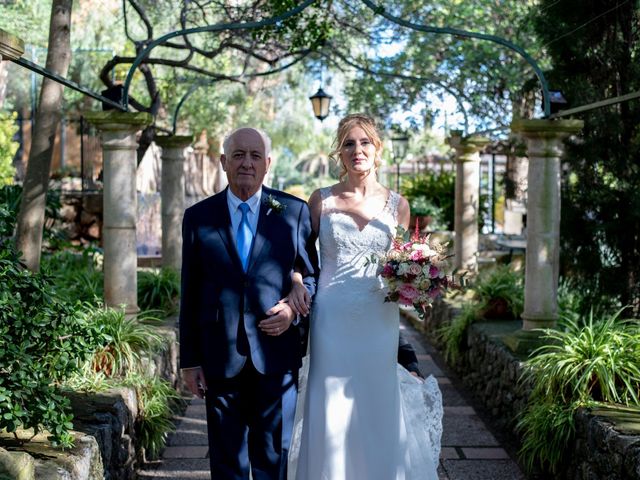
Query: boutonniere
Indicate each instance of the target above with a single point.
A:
(274, 205)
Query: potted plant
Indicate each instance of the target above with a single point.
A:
(423, 211)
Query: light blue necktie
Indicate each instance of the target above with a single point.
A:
(244, 236)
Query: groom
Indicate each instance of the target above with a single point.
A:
(238, 345)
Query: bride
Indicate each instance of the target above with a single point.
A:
(359, 415)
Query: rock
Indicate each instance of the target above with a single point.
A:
(16, 465)
(68, 213)
(93, 231)
(92, 203)
(87, 218)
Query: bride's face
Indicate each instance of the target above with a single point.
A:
(358, 153)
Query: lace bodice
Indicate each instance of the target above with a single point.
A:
(344, 248)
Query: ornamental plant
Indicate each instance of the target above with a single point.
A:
(159, 289)
(43, 340)
(581, 364)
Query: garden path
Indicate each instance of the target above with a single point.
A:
(470, 451)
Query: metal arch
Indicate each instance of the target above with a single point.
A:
(380, 10)
(209, 28)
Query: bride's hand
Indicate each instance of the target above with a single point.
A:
(299, 299)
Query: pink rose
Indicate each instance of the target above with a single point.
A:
(415, 269)
(434, 272)
(416, 255)
(387, 271)
(404, 301)
(409, 292)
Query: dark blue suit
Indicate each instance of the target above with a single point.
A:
(251, 377)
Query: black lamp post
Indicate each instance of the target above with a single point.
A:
(399, 146)
(320, 102)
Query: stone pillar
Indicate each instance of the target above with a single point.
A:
(11, 47)
(544, 149)
(172, 195)
(118, 137)
(467, 200)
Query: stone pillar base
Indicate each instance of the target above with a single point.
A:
(523, 342)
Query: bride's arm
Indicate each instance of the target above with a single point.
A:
(299, 298)
(315, 207)
(403, 213)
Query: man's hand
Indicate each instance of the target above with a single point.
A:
(193, 379)
(280, 317)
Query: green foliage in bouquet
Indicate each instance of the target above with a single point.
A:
(159, 290)
(581, 363)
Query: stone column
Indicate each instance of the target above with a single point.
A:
(172, 196)
(11, 47)
(118, 137)
(544, 149)
(467, 200)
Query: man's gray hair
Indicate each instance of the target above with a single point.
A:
(262, 133)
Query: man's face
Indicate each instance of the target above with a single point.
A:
(246, 162)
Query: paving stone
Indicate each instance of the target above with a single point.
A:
(182, 452)
(450, 396)
(443, 381)
(490, 453)
(466, 431)
(459, 411)
(178, 470)
(188, 437)
(442, 475)
(429, 367)
(482, 470)
(449, 453)
(193, 423)
(199, 410)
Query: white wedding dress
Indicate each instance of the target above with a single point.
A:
(360, 416)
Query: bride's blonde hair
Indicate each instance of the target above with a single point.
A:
(367, 124)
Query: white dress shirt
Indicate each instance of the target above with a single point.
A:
(235, 213)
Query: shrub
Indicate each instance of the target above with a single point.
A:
(453, 334)
(128, 341)
(159, 290)
(8, 147)
(43, 340)
(76, 273)
(438, 189)
(158, 401)
(497, 293)
(597, 360)
(500, 285)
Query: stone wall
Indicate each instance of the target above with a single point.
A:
(106, 446)
(81, 216)
(607, 443)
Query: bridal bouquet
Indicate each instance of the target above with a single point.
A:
(413, 270)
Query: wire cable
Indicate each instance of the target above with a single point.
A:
(584, 24)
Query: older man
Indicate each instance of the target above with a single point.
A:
(238, 347)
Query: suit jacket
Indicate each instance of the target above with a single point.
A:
(221, 305)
